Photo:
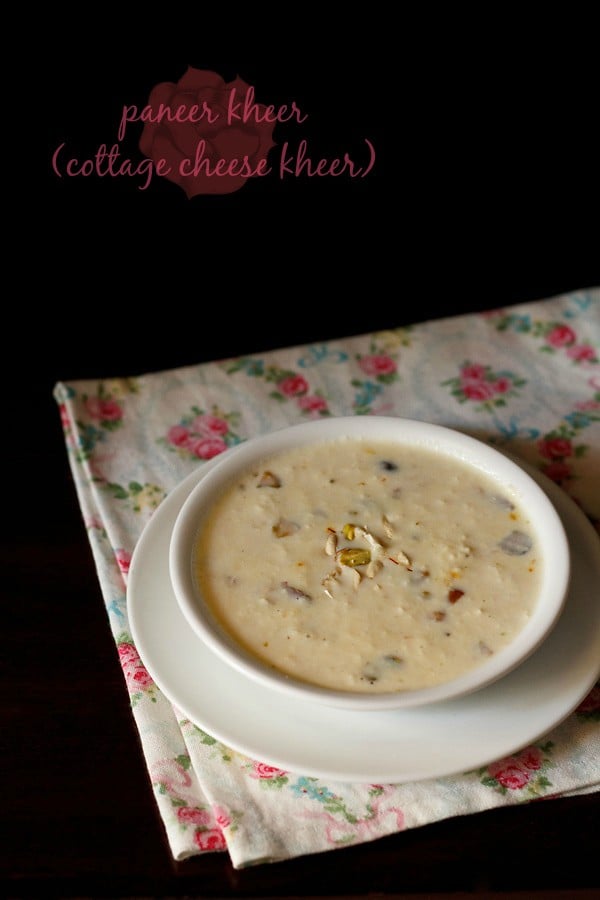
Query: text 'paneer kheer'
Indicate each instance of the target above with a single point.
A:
(367, 566)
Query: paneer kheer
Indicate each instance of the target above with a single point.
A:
(368, 566)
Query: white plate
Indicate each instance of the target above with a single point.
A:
(369, 747)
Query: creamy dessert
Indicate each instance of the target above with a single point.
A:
(366, 566)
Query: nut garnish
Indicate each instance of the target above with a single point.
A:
(284, 527)
(373, 568)
(331, 544)
(354, 556)
(268, 479)
(387, 527)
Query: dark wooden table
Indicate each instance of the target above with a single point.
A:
(485, 194)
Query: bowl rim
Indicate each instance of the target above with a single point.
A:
(450, 441)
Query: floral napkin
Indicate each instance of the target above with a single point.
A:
(526, 378)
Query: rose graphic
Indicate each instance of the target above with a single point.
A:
(208, 145)
(561, 336)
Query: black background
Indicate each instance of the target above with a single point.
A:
(484, 193)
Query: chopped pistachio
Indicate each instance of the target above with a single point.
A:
(354, 556)
(348, 531)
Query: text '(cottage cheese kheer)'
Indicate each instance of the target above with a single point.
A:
(365, 566)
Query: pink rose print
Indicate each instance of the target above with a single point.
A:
(561, 336)
(209, 426)
(211, 839)
(191, 815)
(377, 365)
(104, 409)
(206, 448)
(202, 435)
(582, 353)
(474, 373)
(555, 448)
(555, 336)
(179, 436)
(289, 385)
(64, 416)
(478, 383)
(209, 146)
(293, 386)
(312, 403)
(478, 390)
(509, 774)
(128, 654)
(137, 677)
(261, 770)
(342, 827)
(222, 817)
(123, 559)
(532, 758)
(587, 405)
(516, 772)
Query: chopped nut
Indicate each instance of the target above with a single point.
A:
(331, 544)
(354, 556)
(328, 583)
(517, 543)
(387, 528)
(356, 578)
(373, 568)
(284, 528)
(402, 558)
(502, 502)
(348, 531)
(455, 594)
(269, 480)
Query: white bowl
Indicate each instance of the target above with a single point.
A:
(508, 478)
